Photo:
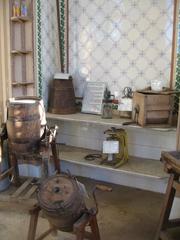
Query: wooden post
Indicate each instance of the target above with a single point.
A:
(14, 165)
(174, 44)
(33, 223)
(5, 73)
(67, 36)
(94, 228)
(166, 210)
(178, 132)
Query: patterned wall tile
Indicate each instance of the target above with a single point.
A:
(49, 44)
(120, 42)
(178, 67)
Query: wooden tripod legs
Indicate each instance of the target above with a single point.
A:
(33, 223)
(78, 227)
(94, 228)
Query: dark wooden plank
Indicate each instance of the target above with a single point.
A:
(8, 203)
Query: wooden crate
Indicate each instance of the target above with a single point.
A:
(154, 108)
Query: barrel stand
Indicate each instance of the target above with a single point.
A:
(88, 218)
(6, 174)
(47, 148)
(172, 166)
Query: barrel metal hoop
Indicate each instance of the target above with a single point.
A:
(24, 119)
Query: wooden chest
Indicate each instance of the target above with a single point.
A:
(152, 108)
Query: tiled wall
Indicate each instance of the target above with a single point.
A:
(120, 42)
(47, 47)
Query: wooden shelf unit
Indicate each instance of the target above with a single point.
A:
(21, 53)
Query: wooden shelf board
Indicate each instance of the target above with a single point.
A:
(19, 84)
(21, 51)
(21, 19)
(96, 119)
(135, 166)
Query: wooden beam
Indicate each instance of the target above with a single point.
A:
(67, 36)
(178, 132)
(5, 73)
(174, 44)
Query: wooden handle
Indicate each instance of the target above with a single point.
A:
(104, 188)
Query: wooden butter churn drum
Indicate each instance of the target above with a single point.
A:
(62, 97)
(62, 201)
(25, 123)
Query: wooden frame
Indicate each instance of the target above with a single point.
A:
(174, 44)
(5, 73)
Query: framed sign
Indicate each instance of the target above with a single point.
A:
(93, 97)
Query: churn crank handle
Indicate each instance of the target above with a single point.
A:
(54, 150)
(101, 188)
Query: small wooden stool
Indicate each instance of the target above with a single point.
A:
(172, 166)
(88, 218)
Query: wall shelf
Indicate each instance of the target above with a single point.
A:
(137, 172)
(19, 84)
(21, 19)
(21, 51)
(139, 166)
(96, 119)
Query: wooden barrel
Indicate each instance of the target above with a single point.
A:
(23, 125)
(62, 97)
(62, 201)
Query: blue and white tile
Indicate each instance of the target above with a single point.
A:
(129, 34)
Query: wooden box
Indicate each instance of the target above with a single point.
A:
(152, 108)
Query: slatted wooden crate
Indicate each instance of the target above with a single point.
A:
(154, 108)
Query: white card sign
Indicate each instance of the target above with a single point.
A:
(125, 104)
(93, 97)
(110, 147)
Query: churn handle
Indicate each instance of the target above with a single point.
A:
(101, 188)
